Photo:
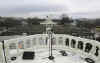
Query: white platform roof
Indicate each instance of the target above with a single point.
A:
(48, 21)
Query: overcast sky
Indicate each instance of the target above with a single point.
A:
(27, 8)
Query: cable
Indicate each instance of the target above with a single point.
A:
(3, 46)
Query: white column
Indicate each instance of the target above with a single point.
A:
(70, 42)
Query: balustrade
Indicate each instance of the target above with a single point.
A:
(84, 47)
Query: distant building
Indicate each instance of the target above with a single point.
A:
(97, 31)
(74, 23)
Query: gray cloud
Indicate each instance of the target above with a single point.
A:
(95, 14)
(29, 9)
(80, 8)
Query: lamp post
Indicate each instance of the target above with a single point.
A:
(49, 25)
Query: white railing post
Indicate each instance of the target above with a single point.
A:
(2, 60)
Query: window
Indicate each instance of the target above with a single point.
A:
(67, 42)
(46, 41)
(12, 46)
(41, 40)
(97, 51)
(28, 43)
(88, 47)
(34, 41)
(80, 45)
(53, 41)
(73, 42)
(60, 40)
(21, 44)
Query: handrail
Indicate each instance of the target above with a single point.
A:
(35, 42)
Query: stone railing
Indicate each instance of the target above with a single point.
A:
(84, 47)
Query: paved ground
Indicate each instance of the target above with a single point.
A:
(41, 56)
